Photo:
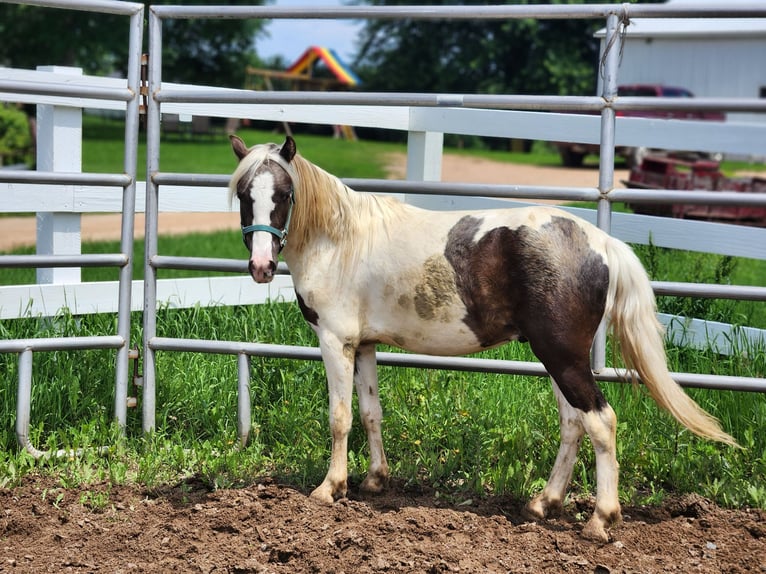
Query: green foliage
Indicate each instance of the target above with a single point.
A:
(664, 264)
(210, 52)
(517, 56)
(15, 137)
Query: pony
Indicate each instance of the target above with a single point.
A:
(370, 270)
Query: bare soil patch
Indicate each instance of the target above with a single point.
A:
(270, 527)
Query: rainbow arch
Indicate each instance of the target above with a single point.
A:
(330, 58)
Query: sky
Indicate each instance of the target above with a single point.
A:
(290, 38)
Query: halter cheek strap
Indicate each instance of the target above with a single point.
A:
(279, 234)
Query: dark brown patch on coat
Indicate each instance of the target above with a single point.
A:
(308, 313)
(547, 286)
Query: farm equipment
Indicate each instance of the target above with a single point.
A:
(665, 172)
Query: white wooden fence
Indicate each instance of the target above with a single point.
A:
(59, 228)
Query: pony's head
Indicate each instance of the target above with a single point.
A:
(264, 182)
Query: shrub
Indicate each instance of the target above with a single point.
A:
(15, 137)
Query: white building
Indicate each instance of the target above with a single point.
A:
(711, 57)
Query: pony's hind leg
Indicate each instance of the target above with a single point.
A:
(551, 499)
(581, 400)
(601, 426)
(371, 414)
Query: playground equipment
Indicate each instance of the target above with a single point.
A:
(318, 68)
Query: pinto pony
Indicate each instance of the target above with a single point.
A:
(369, 269)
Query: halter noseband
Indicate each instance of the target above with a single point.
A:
(279, 234)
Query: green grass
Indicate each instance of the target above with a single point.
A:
(103, 149)
(462, 433)
(459, 432)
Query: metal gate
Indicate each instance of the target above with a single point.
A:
(423, 114)
(419, 147)
(49, 172)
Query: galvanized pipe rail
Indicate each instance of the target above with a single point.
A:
(127, 180)
(616, 17)
(495, 191)
(500, 191)
(479, 101)
(502, 12)
(245, 350)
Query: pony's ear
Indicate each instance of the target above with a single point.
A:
(239, 147)
(288, 149)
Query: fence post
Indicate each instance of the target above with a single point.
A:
(59, 148)
(424, 162)
(611, 63)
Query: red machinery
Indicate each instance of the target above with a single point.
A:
(661, 172)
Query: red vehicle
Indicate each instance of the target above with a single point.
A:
(573, 154)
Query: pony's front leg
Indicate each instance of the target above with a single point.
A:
(366, 381)
(338, 359)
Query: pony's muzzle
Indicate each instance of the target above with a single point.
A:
(262, 271)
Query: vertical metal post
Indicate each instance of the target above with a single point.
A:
(59, 148)
(24, 399)
(152, 208)
(122, 371)
(610, 65)
(243, 398)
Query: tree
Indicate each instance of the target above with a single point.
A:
(209, 52)
(524, 56)
(213, 52)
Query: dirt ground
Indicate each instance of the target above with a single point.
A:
(269, 528)
(20, 231)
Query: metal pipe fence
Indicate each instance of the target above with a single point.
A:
(616, 17)
(421, 146)
(130, 94)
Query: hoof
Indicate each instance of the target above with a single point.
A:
(321, 497)
(595, 532)
(374, 484)
(539, 508)
(323, 494)
(595, 529)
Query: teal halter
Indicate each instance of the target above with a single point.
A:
(279, 234)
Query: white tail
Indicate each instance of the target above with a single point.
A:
(631, 307)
